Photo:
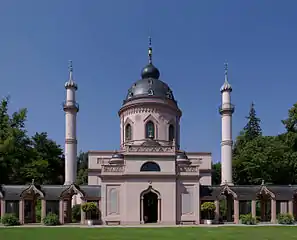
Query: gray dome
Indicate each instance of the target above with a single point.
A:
(182, 158)
(116, 158)
(149, 87)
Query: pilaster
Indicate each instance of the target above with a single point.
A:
(291, 207)
(43, 209)
(21, 211)
(273, 211)
(254, 208)
(3, 207)
(236, 211)
(61, 211)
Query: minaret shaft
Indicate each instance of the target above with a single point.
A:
(226, 111)
(71, 108)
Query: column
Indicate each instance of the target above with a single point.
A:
(141, 210)
(43, 209)
(199, 212)
(254, 213)
(236, 211)
(291, 207)
(21, 211)
(159, 210)
(61, 211)
(82, 213)
(273, 211)
(217, 211)
(3, 207)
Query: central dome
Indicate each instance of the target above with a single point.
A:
(149, 86)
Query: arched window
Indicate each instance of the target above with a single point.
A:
(150, 167)
(128, 132)
(171, 134)
(150, 130)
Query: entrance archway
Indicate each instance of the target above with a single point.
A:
(150, 206)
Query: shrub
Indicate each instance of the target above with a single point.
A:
(51, 219)
(208, 208)
(285, 218)
(89, 208)
(10, 219)
(76, 213)
(248, 219)
(38, 210)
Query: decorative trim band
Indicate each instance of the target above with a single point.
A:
(227, 142)
(70, 140)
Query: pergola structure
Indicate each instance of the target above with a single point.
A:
(271, 200)
(21, 200)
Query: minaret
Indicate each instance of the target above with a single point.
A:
(71, 108)
(226, 111)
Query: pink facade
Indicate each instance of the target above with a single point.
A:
(149, 180)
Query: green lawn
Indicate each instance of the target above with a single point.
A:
(185, 233)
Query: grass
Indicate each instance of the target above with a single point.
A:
(186, 233)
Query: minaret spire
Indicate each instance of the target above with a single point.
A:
(150, 51)
(71, 108)
(70, 68)
(226, 72)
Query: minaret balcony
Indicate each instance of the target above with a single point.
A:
(70, 105)
(226, 108)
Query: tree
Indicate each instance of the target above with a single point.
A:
(47, 162)
(216, 173)
(252, 129)
(82, 168)
(291, 122)
(15, 146)
(23, 158)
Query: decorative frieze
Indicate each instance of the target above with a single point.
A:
(137, 110)
(111, 168)
(188, 168)
(149, 148)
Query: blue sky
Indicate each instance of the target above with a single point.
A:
(107, 41)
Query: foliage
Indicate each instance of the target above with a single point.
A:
(89, 208)
(23, 158)
(208, 208)
(291, 122)
(285, 218)
(38, 210)
(51, 219)
(248, 219)
(76, 213)
(216, 173)
(10, 219)
(269, 158)
(82, 166)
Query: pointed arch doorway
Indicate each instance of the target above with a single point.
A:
(150, 206)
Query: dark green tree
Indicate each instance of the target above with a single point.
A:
(15, 145)
(252, 129)
(47, 162)
(216, 173)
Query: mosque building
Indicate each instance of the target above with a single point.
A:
(150, 179)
